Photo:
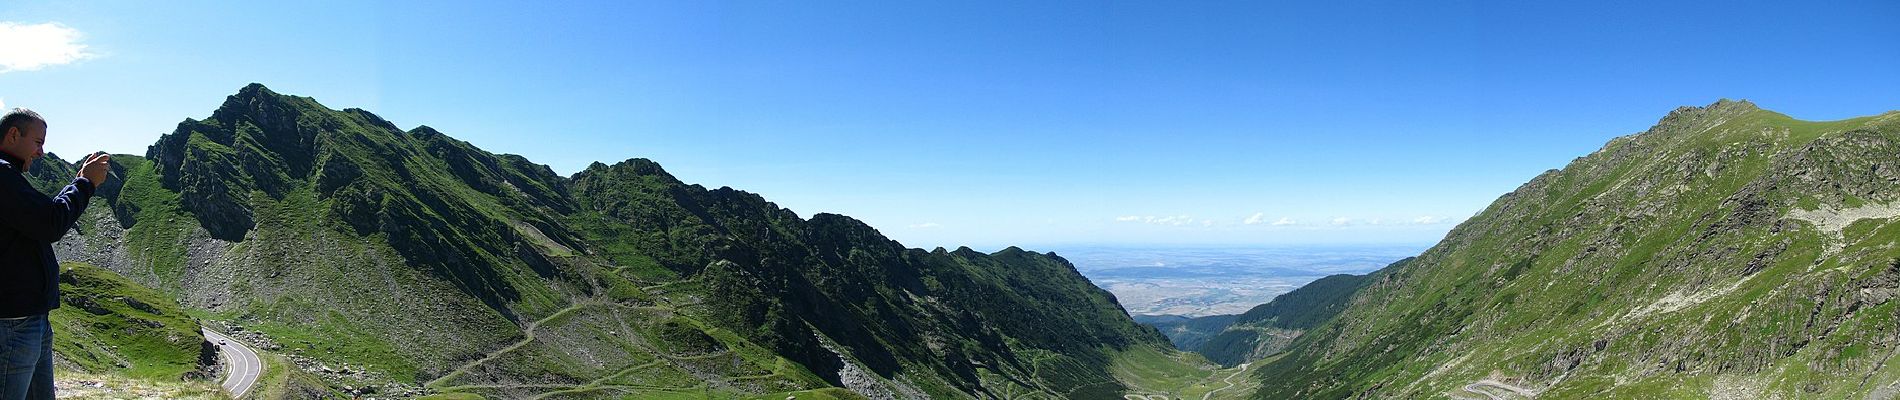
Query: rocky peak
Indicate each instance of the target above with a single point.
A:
(1726, 105)
(372, 118)
(634, 169)
(638, 166)
(1719, 110)
(254, 90)
(647, 167)
(253, 101)
(425, 131)
(859, 231)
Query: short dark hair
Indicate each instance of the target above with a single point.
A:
(19, 117)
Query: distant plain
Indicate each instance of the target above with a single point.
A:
(1201, 281)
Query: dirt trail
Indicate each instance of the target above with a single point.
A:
(491, 356)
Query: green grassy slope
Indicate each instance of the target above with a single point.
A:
(107, 324)
(1155, 371)
(1727, 251)
(417, 261)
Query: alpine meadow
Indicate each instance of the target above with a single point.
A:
(977, 200)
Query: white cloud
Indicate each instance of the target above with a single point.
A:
(1342, 221)
(1256, 219)
(1429, 220)
(1178, 220)
(1207, 222)
(31, 47)
(3, 105)
(1284, 221)
(926, 225)
(1174, 220)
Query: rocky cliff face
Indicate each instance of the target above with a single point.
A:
(1727, 250)
(413, 259)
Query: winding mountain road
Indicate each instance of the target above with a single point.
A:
(242, 367)
(1204, 396)
(1504, 391)
(1229, 380)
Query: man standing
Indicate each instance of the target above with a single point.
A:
(29, 275)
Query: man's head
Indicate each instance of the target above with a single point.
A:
(23, 135)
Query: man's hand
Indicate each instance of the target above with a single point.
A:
(95, 167)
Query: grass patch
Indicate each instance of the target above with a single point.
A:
(109, 324)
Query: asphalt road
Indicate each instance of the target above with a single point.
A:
(242, 365)
(1229, 381)
(1508, 391)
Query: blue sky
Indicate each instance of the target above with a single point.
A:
(992, 124)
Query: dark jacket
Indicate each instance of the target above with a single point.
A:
(29, 224)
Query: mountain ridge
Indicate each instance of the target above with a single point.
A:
(425, 264)
(1668, 263)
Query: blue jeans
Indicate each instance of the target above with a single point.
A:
(26, 358)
